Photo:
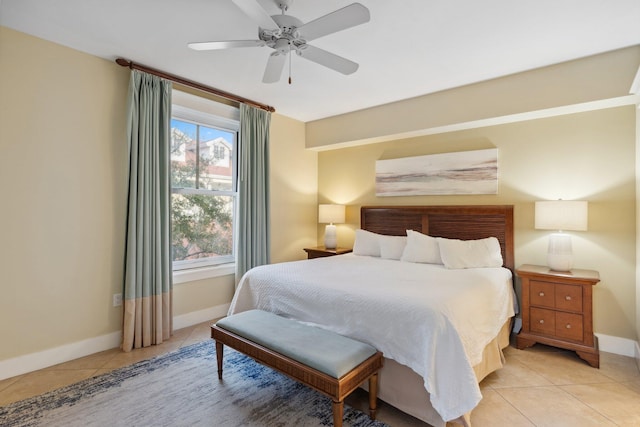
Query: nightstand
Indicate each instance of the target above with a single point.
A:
(321, 251)
(557, 310)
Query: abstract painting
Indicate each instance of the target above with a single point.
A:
(467, 172)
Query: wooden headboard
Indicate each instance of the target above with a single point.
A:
(454, 222)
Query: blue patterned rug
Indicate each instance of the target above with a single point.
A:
(182, 389)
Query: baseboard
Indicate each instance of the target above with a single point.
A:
(617, 345)
(43, 359)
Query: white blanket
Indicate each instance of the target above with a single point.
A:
(434, 320)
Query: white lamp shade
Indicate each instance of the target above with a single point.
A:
(329, 214)
(561, 215)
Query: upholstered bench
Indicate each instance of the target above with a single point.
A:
(323, 360)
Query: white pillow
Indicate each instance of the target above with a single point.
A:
(366, 243)
(392, 247)
(470, 253)
(421, 248)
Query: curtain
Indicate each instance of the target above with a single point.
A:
(147, 291)
(253, 188)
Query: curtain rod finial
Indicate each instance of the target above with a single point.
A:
(124, 62)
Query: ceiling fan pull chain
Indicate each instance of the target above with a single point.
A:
(289, 63)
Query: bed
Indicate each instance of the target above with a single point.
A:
(440, 336)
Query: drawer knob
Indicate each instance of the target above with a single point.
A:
(541, 321)
(568, 326)
(568, 297)
(541, 294)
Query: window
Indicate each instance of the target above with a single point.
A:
(203, 188)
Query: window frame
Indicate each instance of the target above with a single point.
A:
(227, 124)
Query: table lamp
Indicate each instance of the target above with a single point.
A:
(561, 215)
(330, 214)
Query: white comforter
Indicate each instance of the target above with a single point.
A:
(434, 320)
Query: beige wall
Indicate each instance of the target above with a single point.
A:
(189, 297)
(63, 181)
(63, 167)
(579, 156)
(585, 80)
(294, 186)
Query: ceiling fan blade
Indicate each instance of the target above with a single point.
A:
(225, 44)
(328, 59)
(275, 64)
(341, 19)
(253, 9)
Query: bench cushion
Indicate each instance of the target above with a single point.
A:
(326, 351)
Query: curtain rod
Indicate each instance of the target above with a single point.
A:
(195, 85)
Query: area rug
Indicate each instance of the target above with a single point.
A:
(182, 389)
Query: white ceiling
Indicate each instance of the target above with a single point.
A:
(409, 48)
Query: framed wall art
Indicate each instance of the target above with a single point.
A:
(466, 172)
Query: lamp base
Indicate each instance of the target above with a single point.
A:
(330, 237)
(560, 252)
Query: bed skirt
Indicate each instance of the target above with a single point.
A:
(402, 388)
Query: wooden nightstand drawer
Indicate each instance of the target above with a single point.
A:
(569, 297)
(543, 321)
(569, 326)
(542, 294)
(556, 324)
(552, 295)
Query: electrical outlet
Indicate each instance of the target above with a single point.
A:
(117, 300)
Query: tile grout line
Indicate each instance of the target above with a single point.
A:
(515, 407)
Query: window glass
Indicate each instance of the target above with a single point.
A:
(203, 193)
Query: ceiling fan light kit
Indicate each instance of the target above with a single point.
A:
(285, 34)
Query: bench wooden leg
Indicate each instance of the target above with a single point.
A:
(219, 355)
(373, 395)
(338, 411)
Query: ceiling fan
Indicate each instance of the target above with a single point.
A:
(285, 33)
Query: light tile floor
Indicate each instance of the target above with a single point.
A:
(540, 386)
